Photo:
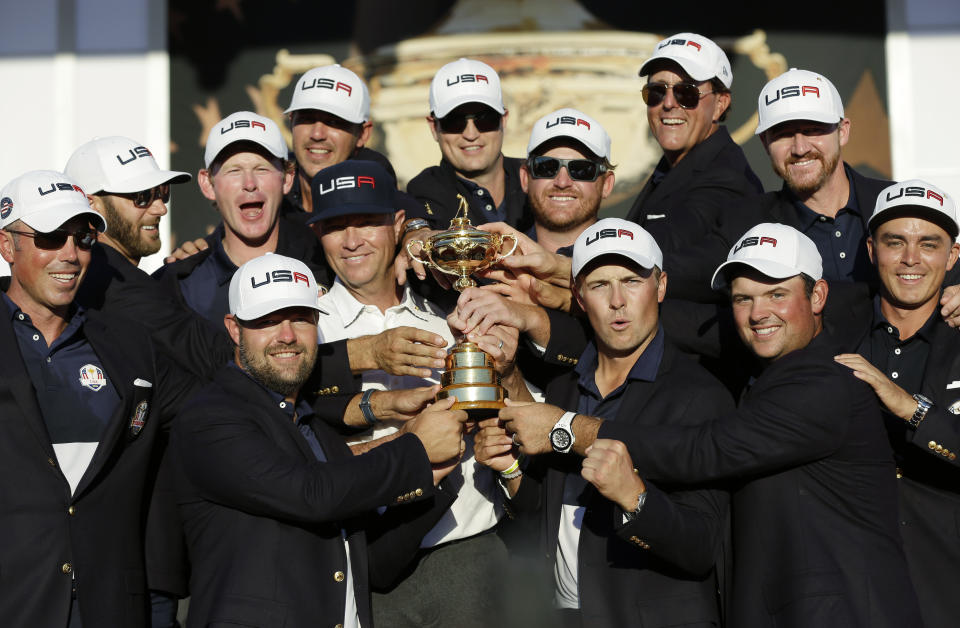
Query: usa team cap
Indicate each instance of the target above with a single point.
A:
(269, 283)
(352, 187)
(775, 250)
(798, 95)
(616, 236)
(916, 198)
(698, 56)
(574, 125)
(118, 165)
(334, 89)
(464, 81)
(244, 126)
(44, 200)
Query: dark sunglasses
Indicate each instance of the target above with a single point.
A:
(485, 121)
(145, 198)
(541, 167)
(84, 239)
(687, 95)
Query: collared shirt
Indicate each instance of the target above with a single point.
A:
(480, 199)
(207, 288)
(301, 413)
(531, 233)
(77, 398)
(902, 360)
(592, 403)
(478, 505)
(838, 239)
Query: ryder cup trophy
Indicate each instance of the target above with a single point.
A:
(463, 250)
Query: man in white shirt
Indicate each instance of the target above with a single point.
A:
(455, 577)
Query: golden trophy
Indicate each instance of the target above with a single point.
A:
(462, 250)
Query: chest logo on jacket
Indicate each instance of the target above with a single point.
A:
(92, 377)
(954, 408)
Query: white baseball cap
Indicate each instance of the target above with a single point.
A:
(244, 126)
(698, 56)
(269, 283)
(334, 89)
(778, 251)
(44, 200)
(916, 198)
(574, 124)
(118, 165)
(798, 95)
(616, 236)
(463, 81)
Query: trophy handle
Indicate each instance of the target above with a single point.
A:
(512, 248)
(426, 262)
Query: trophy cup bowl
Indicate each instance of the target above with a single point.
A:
(469, 373)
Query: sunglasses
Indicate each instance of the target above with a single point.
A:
(687, 95)
(485, 121)
(579, 169)
(145, 198)
(84, 239)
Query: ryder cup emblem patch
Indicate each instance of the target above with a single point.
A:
(91, 376)
(954, 408)
(138, 419)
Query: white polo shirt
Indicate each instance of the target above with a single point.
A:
(478, 505)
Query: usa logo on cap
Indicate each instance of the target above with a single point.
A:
(92, 377)
(6, 206)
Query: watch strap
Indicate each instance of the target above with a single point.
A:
(365, 408)
(923, 406)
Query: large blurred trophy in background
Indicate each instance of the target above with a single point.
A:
(462, 250)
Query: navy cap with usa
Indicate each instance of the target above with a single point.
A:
(352, 187)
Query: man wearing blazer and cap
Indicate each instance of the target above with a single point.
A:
(911, 358)
(621, 550)
(703, 172)
(279, 514)
(814, 502)
(83, 399)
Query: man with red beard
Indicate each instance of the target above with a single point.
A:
(803, 129)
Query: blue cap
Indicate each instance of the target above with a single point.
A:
(352, 187)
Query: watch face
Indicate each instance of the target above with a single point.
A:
(560, 439)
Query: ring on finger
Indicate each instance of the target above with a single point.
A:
(500, 346)
(516, 441)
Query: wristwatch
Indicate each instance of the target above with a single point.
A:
(923, 406)
(561, 436)
(641, 500)
(365, 408)
(415, 224)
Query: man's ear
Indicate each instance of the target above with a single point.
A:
(205, 181)
(233, 328)
(432, 123)
(818, 299)
(6, 246)
(399, 217)
(366, 130)
(524, 178)
(870, 253)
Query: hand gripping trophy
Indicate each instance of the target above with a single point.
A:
(463, 250)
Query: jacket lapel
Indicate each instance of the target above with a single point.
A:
(18, 382)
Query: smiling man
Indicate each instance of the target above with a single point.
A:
(620, 550)
(270, 489)
(245, 175)
(359, 227)
(702, 171)
(814, 504)
(911, 358)
(85, 400)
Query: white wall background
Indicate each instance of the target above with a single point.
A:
(923, 90)
(72, 70)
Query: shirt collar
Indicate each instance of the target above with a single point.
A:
(808, 217)
(349, 309)
(300, 409)
(925, 332)
(644, 369)
(223, 266)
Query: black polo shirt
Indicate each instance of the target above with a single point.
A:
(77, 397)
(840, 240)
(902, 360)
(207, 289)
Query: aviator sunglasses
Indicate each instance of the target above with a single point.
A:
(84, 239)
(145, 198)
(541, 167)
(485, 121)
(687, 95)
